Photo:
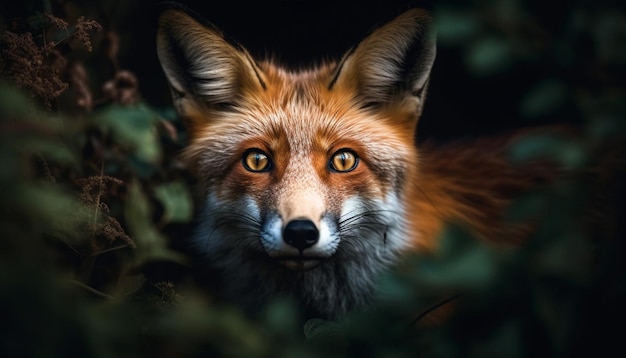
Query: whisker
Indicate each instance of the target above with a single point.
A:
(356, 226)
(237, 222)
(369, 213)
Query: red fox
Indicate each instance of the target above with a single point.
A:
(312, 181)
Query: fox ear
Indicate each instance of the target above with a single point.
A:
(394, 60)
(201, 65)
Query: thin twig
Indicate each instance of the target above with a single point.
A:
(433, 308)
(92, 290)
(110, 249)
(97, 211)
(71, 247)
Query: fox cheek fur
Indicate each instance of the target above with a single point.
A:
(286, 220)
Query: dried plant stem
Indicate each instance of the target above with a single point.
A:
(90, 260)
(94, 228)
(110, 249)
(46, 169)
(67, 37)
(92, 290)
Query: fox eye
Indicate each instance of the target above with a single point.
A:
(344, 160)
(255, 160)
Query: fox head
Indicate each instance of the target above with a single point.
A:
(304, 172)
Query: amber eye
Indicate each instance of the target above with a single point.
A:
(344, 160)
(255, 160)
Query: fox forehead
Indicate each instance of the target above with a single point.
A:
(296, 115)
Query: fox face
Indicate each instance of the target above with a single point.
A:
(304, 173)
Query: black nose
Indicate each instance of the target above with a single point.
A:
(301, 234)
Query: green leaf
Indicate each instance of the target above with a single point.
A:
(527, 207)
(281, 316)
(568, 153)
(316, 328)
(134, 127)
(13, 103)
(489, 56)
(454, 27)
(505, 341)
(49, 148)
(567, 256)
(27, 130)
(544, 99)
(394, 289)
(176, 201)
(56, 212)
(152, 246)
(461, 262)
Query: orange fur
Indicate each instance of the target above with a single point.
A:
(472, 183)
(396, 200)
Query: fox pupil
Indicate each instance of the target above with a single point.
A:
(344, 161)
(342, 157)
(256, 161)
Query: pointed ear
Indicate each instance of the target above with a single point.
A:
(201, 65)
(393, 62)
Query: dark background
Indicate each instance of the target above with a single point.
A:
(466, 98)
(304, 33)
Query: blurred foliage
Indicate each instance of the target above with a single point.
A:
(94, 196)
